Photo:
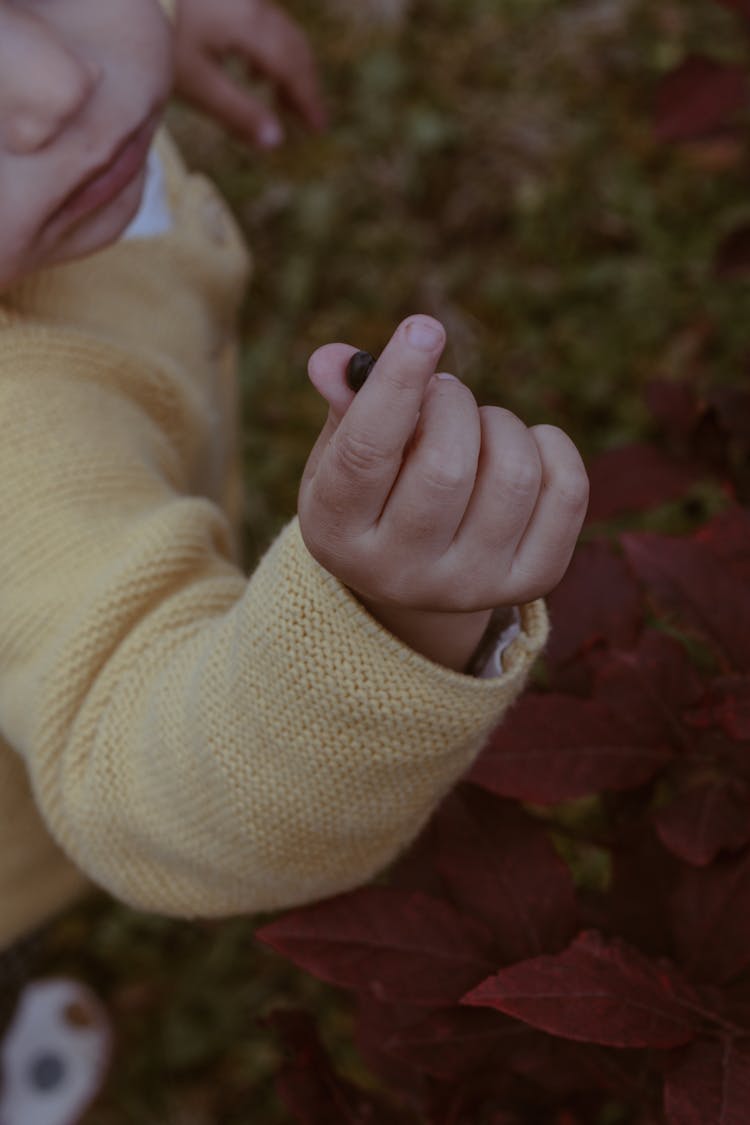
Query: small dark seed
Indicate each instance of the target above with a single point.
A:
(358, 368)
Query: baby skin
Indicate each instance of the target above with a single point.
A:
(433, 510)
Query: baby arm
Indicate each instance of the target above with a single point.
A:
(198, 742)
(432, 510)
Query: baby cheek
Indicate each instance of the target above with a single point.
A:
(28, 242)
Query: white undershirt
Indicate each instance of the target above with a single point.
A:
(154, 217)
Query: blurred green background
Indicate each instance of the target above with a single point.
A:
(493, 163)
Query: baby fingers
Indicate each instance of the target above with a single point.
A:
(526, 511)
(429, 499)
(544, 552)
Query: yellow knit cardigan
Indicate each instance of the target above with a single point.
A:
(194, 740)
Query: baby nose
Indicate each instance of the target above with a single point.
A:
(44, 99)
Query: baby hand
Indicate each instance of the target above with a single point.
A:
(268, 42)
(425, 504)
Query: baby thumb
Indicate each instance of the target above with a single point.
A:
(327, 371)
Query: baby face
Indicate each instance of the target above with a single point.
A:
(83, 84)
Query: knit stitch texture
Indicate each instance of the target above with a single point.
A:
(197, 741)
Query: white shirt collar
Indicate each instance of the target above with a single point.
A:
(153, 217)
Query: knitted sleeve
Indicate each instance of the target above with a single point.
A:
(199, 742)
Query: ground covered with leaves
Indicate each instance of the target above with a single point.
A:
(534, 174)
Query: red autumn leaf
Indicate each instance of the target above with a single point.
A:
(564, 1067)
(452, 1042)
(375, 1024)
(597, 601)
(730, 413)
(484, 1099)
(732, 405)
(553, 748)
(310, 1088)
(733, 1002)
(649, 687)
(485, 1095)
(685, 577)
(635, 478)
(499, 866)
(675, 406)
(733, 254)
(400, 946)
(713, 155)
(558, 1066)
(643, 875)
(740, 6)
(705, 818)
(699, 98)
(710, 445)
(728, 538)
(710, 1085)
(415, 869)
(727, 706)
(597, 992)
(711, 919)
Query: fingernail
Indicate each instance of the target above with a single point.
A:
(445, 375)
(270, 134)
(424, 335)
